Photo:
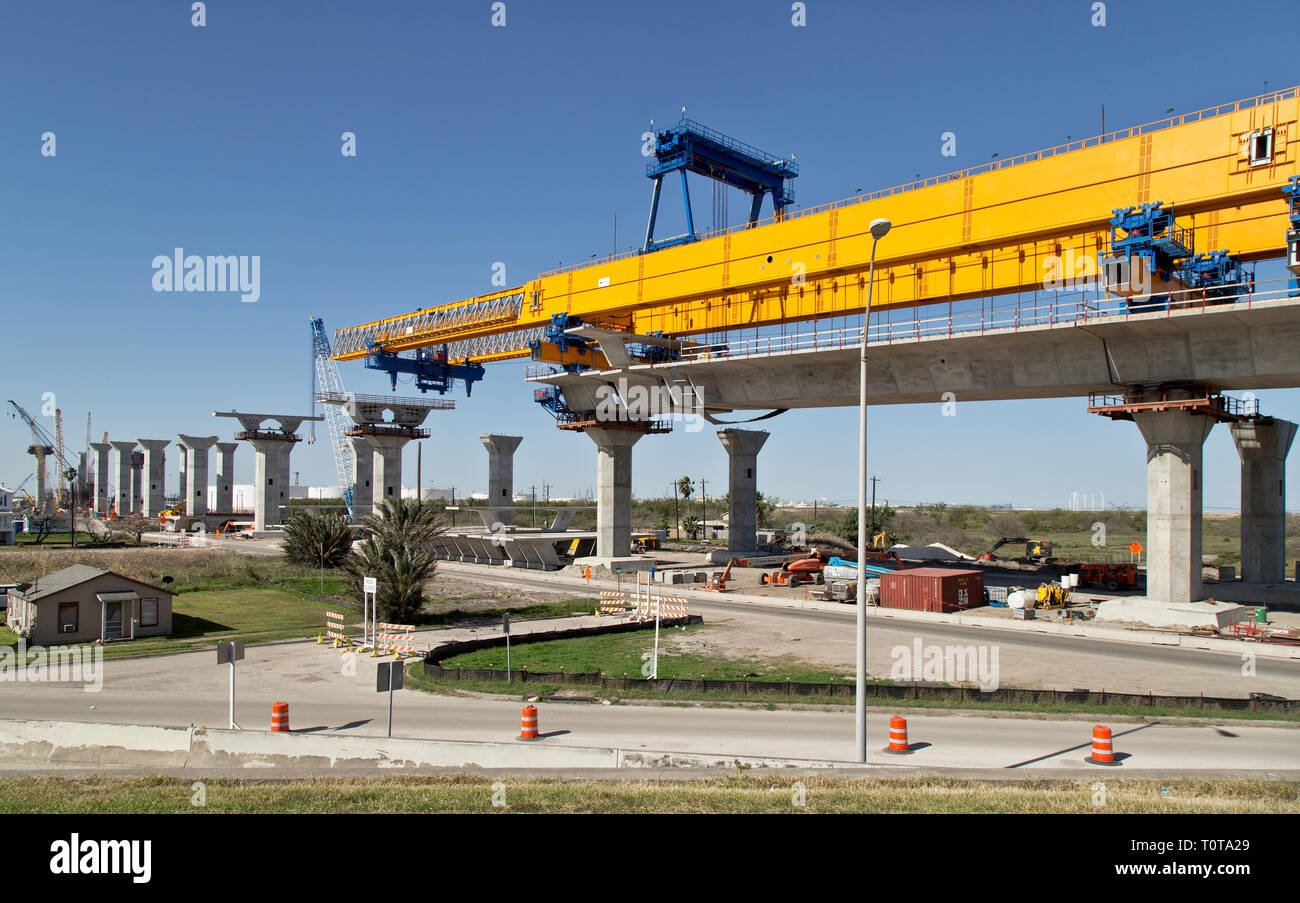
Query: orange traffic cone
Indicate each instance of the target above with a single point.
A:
(898, 745)
(528, 724)
(280, 716)
(1103, 753)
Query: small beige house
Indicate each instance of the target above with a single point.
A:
(82, 604)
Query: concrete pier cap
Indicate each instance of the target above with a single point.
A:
(271, 464)
(155, 465)
(742, 487)
(1263, 444)
(501, 475)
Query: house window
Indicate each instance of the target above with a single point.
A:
(68, 617)
(148, 612)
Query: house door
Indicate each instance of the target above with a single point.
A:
(113, 620)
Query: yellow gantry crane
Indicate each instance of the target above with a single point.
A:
(992, 229)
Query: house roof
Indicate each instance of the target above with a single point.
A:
(74, 576)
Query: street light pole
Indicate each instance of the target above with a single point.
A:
(879, 228)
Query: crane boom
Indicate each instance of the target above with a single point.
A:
(328, 381)
(987, 230)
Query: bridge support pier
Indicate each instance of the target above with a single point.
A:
(270, 489)
(194, 488)
(613, 490)
(155, 467)
(387, 464)
(1175, 444)
(123, 500)
(225, 499)
(101, 476)
(501, 475)
(742, 487)
(1263, 444)
(137, 483)
(363, 490)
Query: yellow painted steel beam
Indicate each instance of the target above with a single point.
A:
(994, 229)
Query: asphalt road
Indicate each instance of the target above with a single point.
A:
(325, 694)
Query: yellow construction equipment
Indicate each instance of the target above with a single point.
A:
(1052, 595)
(992, 229)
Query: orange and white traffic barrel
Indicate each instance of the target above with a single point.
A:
(528, 724)
(1103, 753)
(280, 716)
(898, 737)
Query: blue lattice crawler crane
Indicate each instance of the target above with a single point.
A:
(1292, 192)
(430, 367)
(1147, 247)
(691, 147)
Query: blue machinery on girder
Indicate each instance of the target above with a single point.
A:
(1292, 192)
(1150, 233)
(328, 381)
(691, 147)
(430, 367)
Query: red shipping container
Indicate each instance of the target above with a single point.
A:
(932, 589)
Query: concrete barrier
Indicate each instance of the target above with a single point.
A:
(75, 743)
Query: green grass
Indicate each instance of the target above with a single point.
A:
(439, 612)
(738, 793)
(619, 653)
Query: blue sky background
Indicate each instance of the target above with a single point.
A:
(520, 144)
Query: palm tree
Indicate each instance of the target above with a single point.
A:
(317, 540)
(398, 553)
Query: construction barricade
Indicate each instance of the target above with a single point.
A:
(335, 630)
(613, 603)
(399, 639)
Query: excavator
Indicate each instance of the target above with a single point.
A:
(1034, 549)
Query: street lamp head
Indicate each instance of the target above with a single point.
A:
(879, 228)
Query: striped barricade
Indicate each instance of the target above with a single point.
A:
(613, 603)
(669, 607)
(395, 638)
(335, 630)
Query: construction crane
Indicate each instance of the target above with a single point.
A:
(1216, 176)
(327, 381)
(62, 457)
(43, 446)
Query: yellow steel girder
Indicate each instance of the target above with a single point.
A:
(994, 229)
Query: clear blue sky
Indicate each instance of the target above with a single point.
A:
(520, 144)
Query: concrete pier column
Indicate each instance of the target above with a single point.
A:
(194, 488)
(742, 487)
(137, 482)
(155, 467)
(270, 494)
(122, 499)
(501, 474)
(226, 477)
(387, 475)
(1263, 444)
(363, 491)
(1175, 441)
(101, 475)
(613, 490)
